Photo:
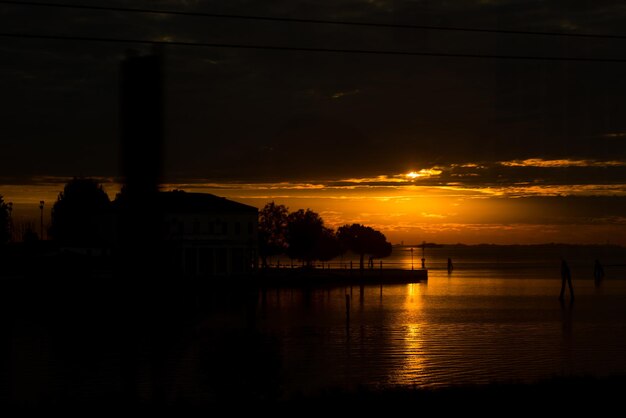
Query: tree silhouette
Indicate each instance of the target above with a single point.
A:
(363, 240)
(273, 221)
(4, 221)
(327, 246)
(82, 214)
(309, 239)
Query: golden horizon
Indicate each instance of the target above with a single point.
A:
(401, 206)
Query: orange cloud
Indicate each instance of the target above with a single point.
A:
(539, 162)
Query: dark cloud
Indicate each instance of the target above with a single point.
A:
(270, 115)
(497, 174)
(553, 210)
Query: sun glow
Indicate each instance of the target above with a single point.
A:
(415, 205)
(423, 173)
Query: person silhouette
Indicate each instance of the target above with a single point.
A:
(598, 272)
(450, 267)
(566, 276)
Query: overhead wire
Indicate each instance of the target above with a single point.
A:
(309, 20)
(311, 49)
(388, 52)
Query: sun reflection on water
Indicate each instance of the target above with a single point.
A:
(410, 339)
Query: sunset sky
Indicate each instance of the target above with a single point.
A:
(438, 148)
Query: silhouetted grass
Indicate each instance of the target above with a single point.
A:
(562, 394)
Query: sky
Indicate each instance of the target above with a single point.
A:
(434, 148)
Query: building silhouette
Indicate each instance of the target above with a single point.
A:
(208, 235)
(161, 233)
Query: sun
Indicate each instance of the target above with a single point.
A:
(412, 175)
(424, 173)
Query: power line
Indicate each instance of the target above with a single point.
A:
(311, 49)
(312, 21)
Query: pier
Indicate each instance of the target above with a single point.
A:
(338, 276)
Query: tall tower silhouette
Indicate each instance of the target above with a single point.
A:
(141, 142)
(141, 123)
(147, 298)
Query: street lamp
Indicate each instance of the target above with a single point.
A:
(10, 209)
(411, 258)
(423, 257)
(41, 203)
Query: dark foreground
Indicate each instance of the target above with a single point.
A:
(121, 343)
(566, 395)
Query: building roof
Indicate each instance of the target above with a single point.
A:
(178, 201)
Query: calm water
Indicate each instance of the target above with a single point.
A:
(452, 330)
(495, 318)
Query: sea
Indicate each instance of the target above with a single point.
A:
(495, 318)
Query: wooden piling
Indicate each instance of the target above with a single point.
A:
(361, 294)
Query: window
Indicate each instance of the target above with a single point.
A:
(237, 263)
(205, 262)
(221, 260)
(191, 263)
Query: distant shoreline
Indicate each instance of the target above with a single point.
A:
(544, 245)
